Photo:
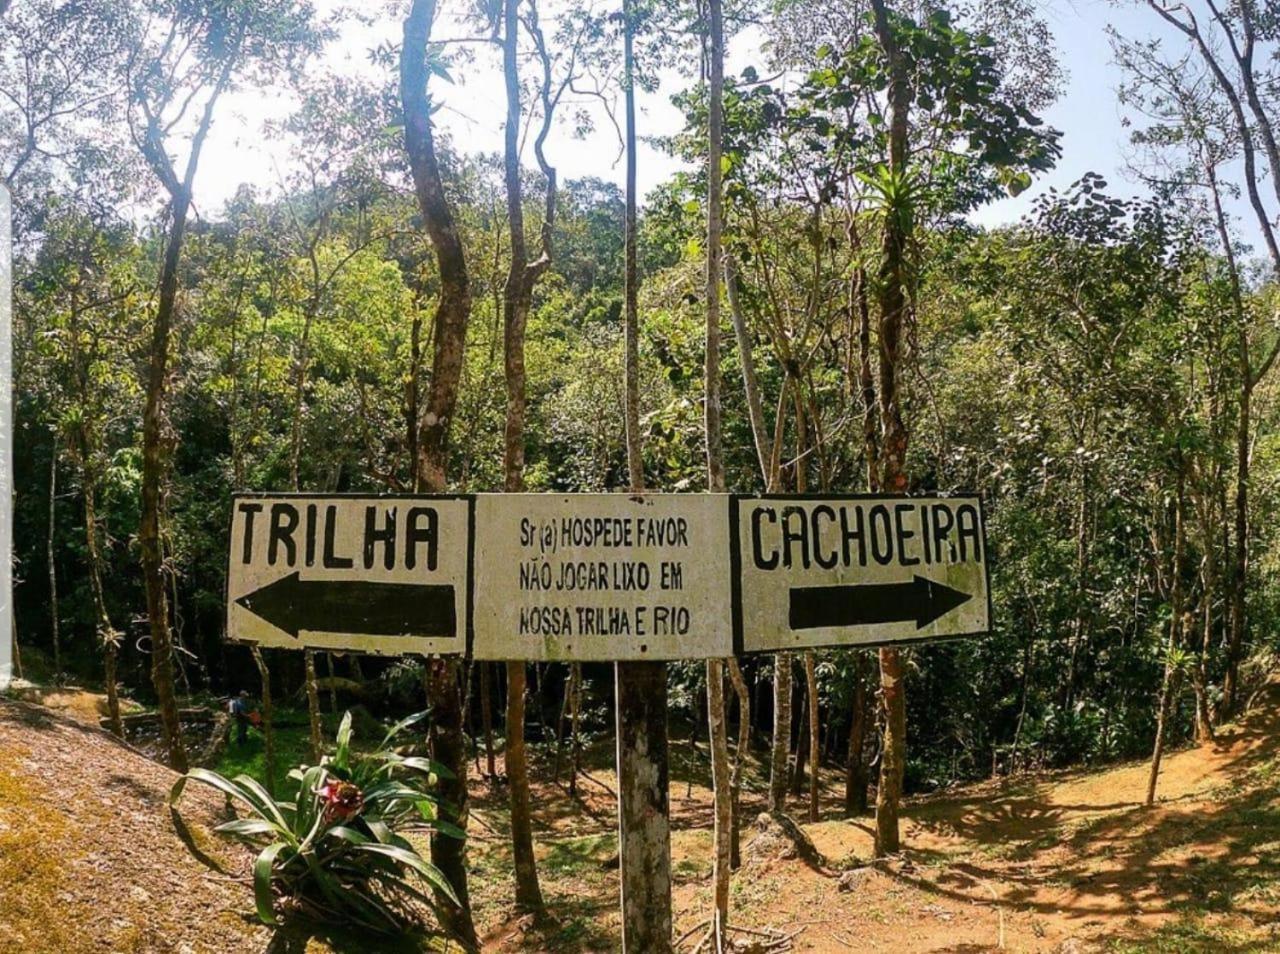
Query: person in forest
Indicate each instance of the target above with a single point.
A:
(243, 713)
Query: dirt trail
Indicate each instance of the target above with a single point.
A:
(89, 860)
(1069, 862)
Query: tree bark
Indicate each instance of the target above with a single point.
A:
(855, 780)
(719, 733)
(453, 309)
(313, 705)
(575, 711)
(154, 468)
(644, 842)
(55, 628)
(815, 761)
(528, 892)
(268, 723)
(486, 718)
(891, 288)
(1168, 685)
(781, 747)
(739, 755)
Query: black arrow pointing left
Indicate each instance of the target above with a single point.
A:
(357, 607)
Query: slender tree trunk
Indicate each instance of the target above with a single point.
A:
(517, 301)
(453, 310)
(528, 892)
(268, 719)
(778, 775)
(1244, 426)
(815, 761)
(855, 780)
(486, 718)
(1168, 685)
(313, 705)
(1200, 682)
(575, 709)
(108, 637)
(719, 733)
(740, 754)
(892, 287)
(644, 845)
(55, 628)
(154, 468)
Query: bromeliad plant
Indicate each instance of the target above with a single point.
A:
(336, 849)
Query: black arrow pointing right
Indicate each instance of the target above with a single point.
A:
(865, 604)
(357, 607)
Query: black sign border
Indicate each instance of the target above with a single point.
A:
(735, 558)
(736, 571)
(468, 636)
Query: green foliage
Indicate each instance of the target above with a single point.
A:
(335, 847)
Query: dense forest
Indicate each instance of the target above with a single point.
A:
(395, 312)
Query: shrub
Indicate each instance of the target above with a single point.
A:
(335, 849)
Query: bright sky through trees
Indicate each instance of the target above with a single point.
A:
(1094, 137)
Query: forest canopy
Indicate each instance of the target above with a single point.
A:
(394, 311)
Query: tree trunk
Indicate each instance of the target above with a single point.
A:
(781, 749)
(855, 780)
(1169, 683)
(811, 681)
(154, 467)
(644, 842)
(453, 309)
(313, 705)
(54, 624)
(1200, 682)
(517, 300)
(448, 744)
(528, 893)
(719, 732)
(486, 718)
(739, 755)
(575, 710)
(108, 637)
(268, 724)
(1244, 370)
(891, 289)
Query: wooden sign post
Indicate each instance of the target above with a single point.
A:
(600, 577)
(633, 578)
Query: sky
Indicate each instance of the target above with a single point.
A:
(1087, 113)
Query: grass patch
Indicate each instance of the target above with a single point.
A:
(1192, 935)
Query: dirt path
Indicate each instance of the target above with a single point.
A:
(1069, 862)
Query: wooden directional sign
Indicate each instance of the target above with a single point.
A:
(604, 576)
(818, 571)
(369, 574)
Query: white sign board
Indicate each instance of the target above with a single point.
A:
(815, 571)
(604, 576)
(381, 575)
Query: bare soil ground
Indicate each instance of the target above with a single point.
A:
(1069, 862)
